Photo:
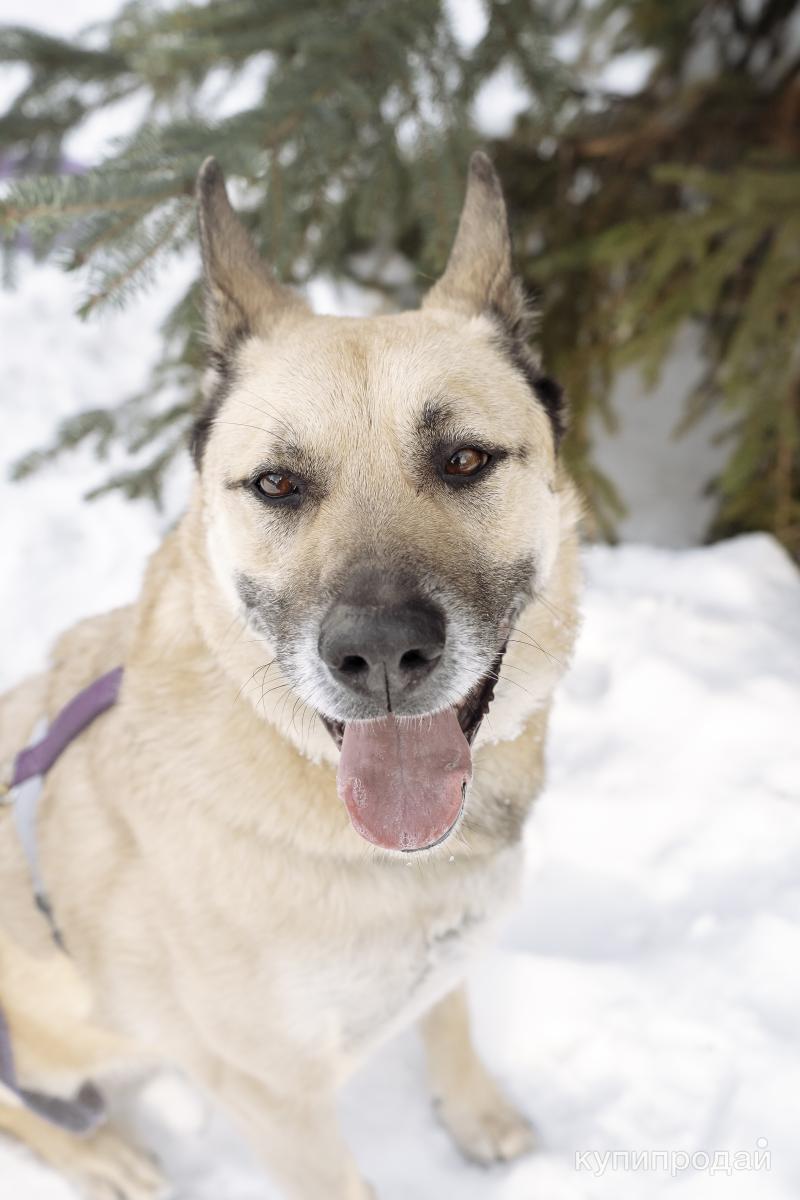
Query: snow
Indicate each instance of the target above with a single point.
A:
(498, 103)
(645, 997)
(55, 564)
(55, 18)
(661, 479)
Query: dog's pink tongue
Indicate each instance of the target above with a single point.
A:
(403, 781)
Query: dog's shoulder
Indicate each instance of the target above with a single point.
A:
(85, 652)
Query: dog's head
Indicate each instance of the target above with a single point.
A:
(379, 502)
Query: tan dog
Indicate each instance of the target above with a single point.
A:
(379, 511)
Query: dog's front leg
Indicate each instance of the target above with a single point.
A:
(483, 1123)
(297, 1137)
(100, 1166)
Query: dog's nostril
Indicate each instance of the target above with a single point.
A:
(413, 659)
(353, 664)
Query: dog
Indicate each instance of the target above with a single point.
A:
(342, 660)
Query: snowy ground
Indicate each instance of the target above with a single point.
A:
(646, 996)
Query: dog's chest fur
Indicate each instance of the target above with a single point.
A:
(404, 950)
(336, 955)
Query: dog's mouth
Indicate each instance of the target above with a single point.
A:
(403, 780)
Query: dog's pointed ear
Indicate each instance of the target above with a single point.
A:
(242, 295)
(479, 280)
(479, 277)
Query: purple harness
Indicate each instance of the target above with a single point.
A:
(86, 1110)
(72, 720)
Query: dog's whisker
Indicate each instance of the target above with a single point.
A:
(246, 425)
(263, 685)
(537, 645)
(512, 666)
(560, 613)
(272, 432)
(247, 682)
(303, 734)
(268, 691)
(516, 684)
(262, 703)
(270, 411)
(312, 717)
(297, 703)
(228, 628)
(284, 702)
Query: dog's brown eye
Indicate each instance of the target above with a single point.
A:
(277, 486)
(467, 461)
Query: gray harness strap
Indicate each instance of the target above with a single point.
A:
(85, 1111)
(24, 801)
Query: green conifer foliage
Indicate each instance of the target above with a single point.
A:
(633, 214)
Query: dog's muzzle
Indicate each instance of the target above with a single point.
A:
(383, 652)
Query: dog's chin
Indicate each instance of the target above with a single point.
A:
(470, 710)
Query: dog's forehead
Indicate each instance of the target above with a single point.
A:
(385, 370)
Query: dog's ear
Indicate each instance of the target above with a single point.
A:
(479, 280)
(242, 295)
(479, 276)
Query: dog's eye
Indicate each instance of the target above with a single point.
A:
(466, 462)
(277, 486)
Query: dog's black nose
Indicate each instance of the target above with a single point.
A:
(385, 647)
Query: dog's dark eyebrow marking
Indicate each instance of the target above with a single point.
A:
(436, 415)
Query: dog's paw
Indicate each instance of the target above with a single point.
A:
(104, 1167)
(486, 1126)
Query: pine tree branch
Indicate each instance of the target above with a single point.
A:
(12, 215)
